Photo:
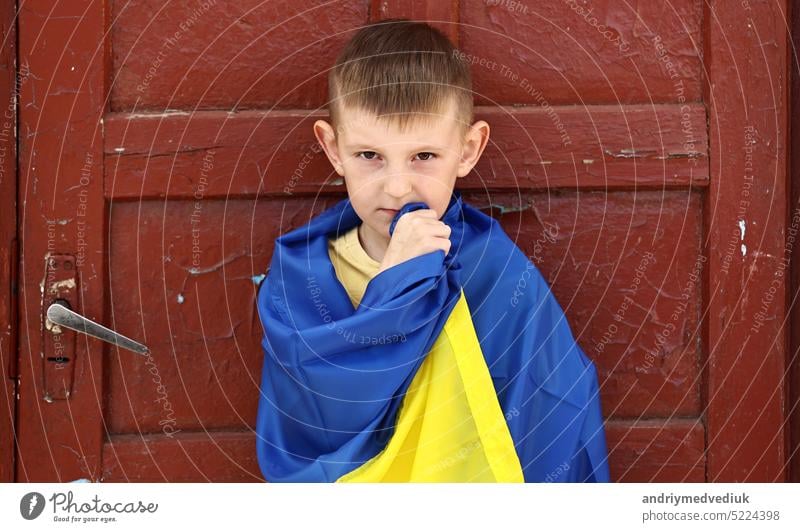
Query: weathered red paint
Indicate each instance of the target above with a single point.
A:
(610, 147)
(60, 112)
(217, 456)
(745, 417)
(442, 14)
(253, 54)
(657, 450)
(547, 52)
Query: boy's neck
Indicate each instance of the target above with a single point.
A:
(372, 244)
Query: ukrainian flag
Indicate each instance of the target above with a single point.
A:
(480, 380)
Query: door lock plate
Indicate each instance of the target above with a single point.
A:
(58, 343)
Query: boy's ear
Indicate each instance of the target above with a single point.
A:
(474, 143)
(327, 139)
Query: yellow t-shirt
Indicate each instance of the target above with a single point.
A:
(450, 427)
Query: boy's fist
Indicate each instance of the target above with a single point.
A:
(416, 233)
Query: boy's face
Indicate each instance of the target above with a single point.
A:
(385, 168)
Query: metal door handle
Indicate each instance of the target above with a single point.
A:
(62, 315)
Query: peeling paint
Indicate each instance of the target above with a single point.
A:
(627, 153)
(180, 298)
(52, 327)
(166, 114)
(504, 210)
(681, 155)
(216, 266)
(67, 284)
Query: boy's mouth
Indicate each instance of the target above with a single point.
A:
(389, 212)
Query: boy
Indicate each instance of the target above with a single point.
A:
(406, 337)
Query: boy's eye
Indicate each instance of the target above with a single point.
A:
(371, 155)
(368, 155)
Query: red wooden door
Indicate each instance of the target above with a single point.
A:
(165, 145)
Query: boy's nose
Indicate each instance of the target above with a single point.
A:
(397, 185)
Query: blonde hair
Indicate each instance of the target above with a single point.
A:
(402, 71)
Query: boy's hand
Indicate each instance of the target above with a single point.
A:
(416, 233)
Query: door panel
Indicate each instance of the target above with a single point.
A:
(584, 53)
(220, 55)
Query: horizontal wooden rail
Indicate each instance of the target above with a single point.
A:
(217, 154)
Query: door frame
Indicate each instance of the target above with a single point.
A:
(8, 238)
(747, 86)
(793, 399)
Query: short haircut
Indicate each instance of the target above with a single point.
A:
(403, 71)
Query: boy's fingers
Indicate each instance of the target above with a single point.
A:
(443, 229)
(424, 213)
(436, 227)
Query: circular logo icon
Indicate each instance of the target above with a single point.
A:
(31, 505)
